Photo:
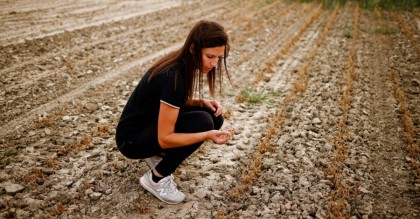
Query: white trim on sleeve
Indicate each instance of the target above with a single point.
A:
(169, 104)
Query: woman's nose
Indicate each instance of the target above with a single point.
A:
(214, 62)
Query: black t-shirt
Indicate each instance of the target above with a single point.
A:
(142, 108)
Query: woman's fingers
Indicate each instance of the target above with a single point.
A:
(218, 107)
(223, 137)
(218, 111)
(220, 137)
(214, 106)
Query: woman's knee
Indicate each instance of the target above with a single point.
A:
(207, 122)
(196, 121)
(218, 122)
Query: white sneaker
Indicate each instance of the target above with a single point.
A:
(165, 190)
(152, 162)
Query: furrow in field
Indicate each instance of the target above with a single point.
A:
(62, 44)
(405, 64)
(299, 145)
(295, 170)
(407, 30)
(116, 13)
(38, 6)
(25, 52)
(267, 148)
(279, 37)
(338, 204)
(28, 116)
(377, 146)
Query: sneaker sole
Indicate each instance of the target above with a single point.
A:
(145, 186)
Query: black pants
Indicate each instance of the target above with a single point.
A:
(145, 143)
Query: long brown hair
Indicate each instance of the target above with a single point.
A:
(205, 34)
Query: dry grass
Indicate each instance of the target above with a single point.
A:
(413, 149)
(87, 185)
(290, 43)
(338, 206)
(406, 31)
(81, 144)
(102, 130)
(60, 208)
(69, 65)
(221, 214)
(143, 207)
(116, 165)
(202, 150)
(227, 114)
(30, 177)
(280, 13)
(44, 122)
(300, 85)
(54, 163)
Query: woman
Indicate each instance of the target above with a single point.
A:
(162, 119)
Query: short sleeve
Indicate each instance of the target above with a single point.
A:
(172, 92)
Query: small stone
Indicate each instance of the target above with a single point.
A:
(316, 121)
(364, 190)
(20, 213)
(48, 171)
(95, 195)
(4, 176)
(201, 193)
(95, 209)
(288, 206)
(102, 121)
(88, 191)
(232, 142)
(66, 118)
(70, 118)
(47, 131)
(68, 182)
(13, 188)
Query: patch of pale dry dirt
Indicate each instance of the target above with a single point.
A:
(327, 140)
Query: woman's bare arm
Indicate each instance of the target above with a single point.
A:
(167, 137)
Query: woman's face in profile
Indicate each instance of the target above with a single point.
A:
(210, 57)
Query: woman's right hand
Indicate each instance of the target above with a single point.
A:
(219, 137)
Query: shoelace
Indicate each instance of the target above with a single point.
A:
(169, 183)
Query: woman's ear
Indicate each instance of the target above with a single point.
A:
(192, 48)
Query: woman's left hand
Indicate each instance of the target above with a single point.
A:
(214, 106)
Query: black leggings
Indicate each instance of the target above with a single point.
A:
(145, 143)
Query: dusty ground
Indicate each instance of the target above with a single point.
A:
(334, 133)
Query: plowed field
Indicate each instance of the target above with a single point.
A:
(324, 108)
